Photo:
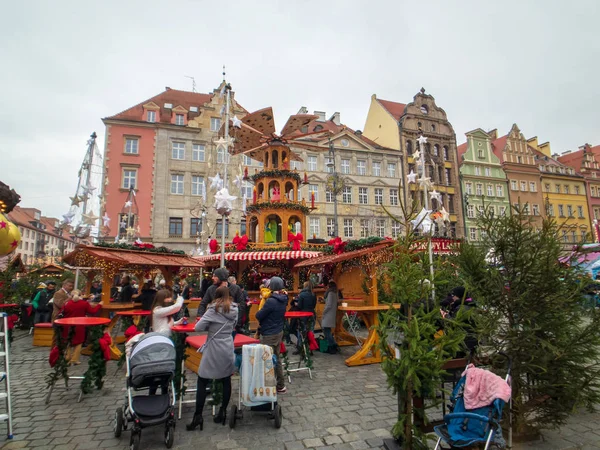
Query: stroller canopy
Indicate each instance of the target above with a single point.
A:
(152, 356)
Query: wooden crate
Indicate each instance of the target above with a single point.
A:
(43, 334)
(193, 357)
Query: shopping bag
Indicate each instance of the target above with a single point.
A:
(323, 344)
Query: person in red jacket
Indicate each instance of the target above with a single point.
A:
(77, 307)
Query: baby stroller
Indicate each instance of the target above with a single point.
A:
(467, 427)
(257, 389)
(151, 364)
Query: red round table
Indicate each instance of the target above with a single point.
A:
(136, 312)
(302, 343)
(189, 328)
(76, 321)
(238, 341)
(8, 305)
(298, 315)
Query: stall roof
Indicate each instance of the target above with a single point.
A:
(260, 256)
(125, 258)
(333, 259)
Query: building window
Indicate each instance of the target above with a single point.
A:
(436, 150)
(380, 227)
(448, 177)
(178, 150)
(450, 203)
(197, 185)
(394, 197)
(220, 154)
(469, 188)
(348, 229)
(477, 170)
(313, 189)
(473, 233)
(446, 155)
(550, 210)
(243, 227)
(490, 190)
(312, 163)
(330, 227)
(479, 189)
(480, 210)
(378, 196)
(526, 209)
(567, 190)
(480, 153)
(488, 172)
(376, 166)
(345, 166)
(132, 146)
(177, 184)
(220, 228)
(523, 186)
(364, 228)
(179, 120)
(361, 167)
(391, 167)
(592, 191)
(395, 229)
(328, 164)
(557, 188)
(561, 211)
(315, 226)
(576, 190)
(471, 212)
(175, 226)
(547, 187)
(502, 210)
(347, 194)
(574, 236)
(580, 212)
(129, 178)
(246, 190)
(520, 159)
(296, 165)
(535, 209)
(513, 185)
(533, 186)
(151, 116)
(328, 196)
(215, 124)
(198, 153)
(570, 210)
(195, 226)
(565, 237)
(499, 191)
(363, 198)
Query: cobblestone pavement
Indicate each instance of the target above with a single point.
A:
(341, 408)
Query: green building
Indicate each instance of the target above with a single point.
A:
(483, 181)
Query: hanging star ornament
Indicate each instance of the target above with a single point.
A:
(224, 202)
(76, 200)
(89, 219)
(128, 203)
(204, 191)
(105, 220)
(435, 195)
(216, 182)
(412, 177)
(422, 140)
(417, 221)
(68, 218)
(417, 155)
(425, 182)
(445, 214)
(238, 181)
(88, 190)
(236, 122)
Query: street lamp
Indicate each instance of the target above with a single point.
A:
(335, 192)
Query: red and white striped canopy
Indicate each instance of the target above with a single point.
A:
(260, 256)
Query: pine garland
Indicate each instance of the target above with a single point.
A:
(216, 393)
(278, 205)
(276, 173)
(180, 356)
(163, 250)
(96, 366)
(61, 366)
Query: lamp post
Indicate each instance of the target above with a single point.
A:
(335, 192)
(225, 163)
(422, 141)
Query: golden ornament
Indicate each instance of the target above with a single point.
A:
(9, 236)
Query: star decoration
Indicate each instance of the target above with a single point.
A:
(236, 122)
(123, 224)
(3, 225)
(130, 231)
(421, 218)
(222, 142)
(105, 220)
(75, 201)
(88, 190)
(238, 181)
(422, 140)
(223, 202)
(68, 218)
(128, 204)
(445, 214)
(216, 182)
(435, 195)
(439, 220)
(89, 219)
(412, 177)
(417, 155)
(425, 182)
(204, 191)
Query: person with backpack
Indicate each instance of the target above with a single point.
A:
(41, 306)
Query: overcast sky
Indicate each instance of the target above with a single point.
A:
(67, 64)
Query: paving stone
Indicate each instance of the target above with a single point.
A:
(330, 440)
(294, 445)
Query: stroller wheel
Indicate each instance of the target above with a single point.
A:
(169, 435)
(232, 416)
(278, 416)
(134, 442)
(118, 425)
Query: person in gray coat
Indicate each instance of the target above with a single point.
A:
(217, 361)
(329, 315)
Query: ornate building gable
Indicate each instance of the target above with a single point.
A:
(423, 114)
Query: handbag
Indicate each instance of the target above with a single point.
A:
(203, 346)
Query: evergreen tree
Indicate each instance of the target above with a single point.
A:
(534, 312)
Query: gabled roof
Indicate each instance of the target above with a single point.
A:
(394, 108)
(498, 145)
(461, 149)
(24, 217)
(575, 159)
(549, 161)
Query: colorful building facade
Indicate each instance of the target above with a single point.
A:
(484, 183)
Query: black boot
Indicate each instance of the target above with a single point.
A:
(197, 420)
(221, 416)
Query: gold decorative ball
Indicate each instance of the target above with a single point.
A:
(9, 236)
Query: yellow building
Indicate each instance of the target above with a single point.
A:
(564, 193)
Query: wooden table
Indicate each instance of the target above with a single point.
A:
(96, 350)
(369, 315)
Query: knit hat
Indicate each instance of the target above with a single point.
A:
(276, 284)
(221, 273)
(459, 292)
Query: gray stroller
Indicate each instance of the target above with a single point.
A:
(150, 365)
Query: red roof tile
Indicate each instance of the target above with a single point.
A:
(461, 149)
(330, 125)
(498, 145)
(394, 108)
(129, 258)
(24, 217)
(176, 98)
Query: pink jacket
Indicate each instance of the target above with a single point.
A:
(482, 387)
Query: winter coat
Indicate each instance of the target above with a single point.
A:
(162, 319)
(58, 301)
(271, 316)
(307, 301)
(218, 359)
(40, 302)
(78, 308)
(330, 311)
(126, 292)
(146, 298)
(208, 298)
